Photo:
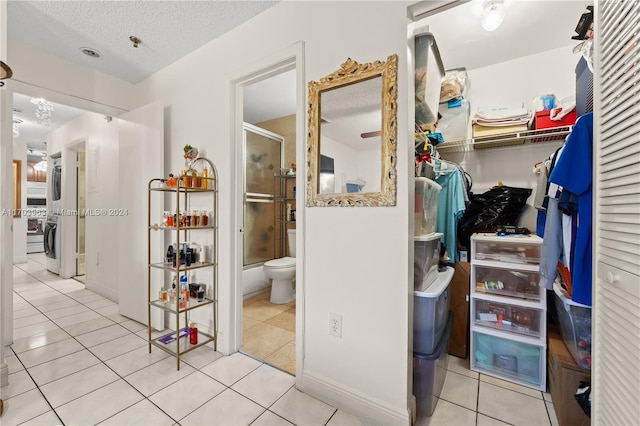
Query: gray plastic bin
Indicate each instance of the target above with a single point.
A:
(430, 372)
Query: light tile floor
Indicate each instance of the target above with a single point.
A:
(269, 331)
(79, 369)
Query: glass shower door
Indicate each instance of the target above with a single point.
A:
(263, 152)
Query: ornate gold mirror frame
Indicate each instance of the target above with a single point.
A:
(351, 73)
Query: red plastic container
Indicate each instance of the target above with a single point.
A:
(544, 122)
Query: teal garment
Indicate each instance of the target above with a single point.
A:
(451, 205)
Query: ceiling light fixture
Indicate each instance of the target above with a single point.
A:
(90, 52)
(44, 110)
(492, 15)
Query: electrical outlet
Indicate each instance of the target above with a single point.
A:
(335, 325)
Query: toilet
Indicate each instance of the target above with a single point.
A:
(282, 272)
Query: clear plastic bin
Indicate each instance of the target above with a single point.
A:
(430, 310)
(454, 124)
(426, 206)
(426, 255)
(428, 77)
(507, 282)
(575, 327)
(517, 361)
(506, 317)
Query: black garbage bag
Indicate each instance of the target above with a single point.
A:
(583, 396)
(501, 205)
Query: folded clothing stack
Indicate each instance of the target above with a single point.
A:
(499, 120)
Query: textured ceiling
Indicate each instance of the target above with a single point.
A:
(529, 27)
(271, 98)
(168, 30)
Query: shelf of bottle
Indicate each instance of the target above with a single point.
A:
(171, 307)
(185, 346)
(179, 228)
(169, 267)
(181, 189)
(506, 139)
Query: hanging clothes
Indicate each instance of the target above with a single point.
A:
(541, 199)
(451, 204)
(574, 173)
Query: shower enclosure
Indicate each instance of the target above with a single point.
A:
(263, 156)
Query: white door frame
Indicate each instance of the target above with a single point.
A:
(289, 58)
(71, 267)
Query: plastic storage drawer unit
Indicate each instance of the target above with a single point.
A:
(507, 317)
(430, 310)
(520, 362)
(575, 327)
(430, 372)
(489, 247)
(426, 206)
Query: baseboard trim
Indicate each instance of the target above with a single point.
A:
(103, 290)
(352, 401)
(20, 259)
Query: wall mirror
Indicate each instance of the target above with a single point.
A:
(352, 130)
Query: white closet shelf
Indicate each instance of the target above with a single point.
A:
(507, 139)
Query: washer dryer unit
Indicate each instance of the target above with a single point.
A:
(52, 244)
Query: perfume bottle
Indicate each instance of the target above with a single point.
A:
(184, 291)
(193, 334)
(172, 293)
(170, 252)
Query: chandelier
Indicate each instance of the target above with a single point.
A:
(42, 165)
(16, 129)
(44, 109)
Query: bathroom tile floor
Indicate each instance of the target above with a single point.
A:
(269, 331)
(76, 361)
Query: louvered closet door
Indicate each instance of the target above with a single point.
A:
(616, 309)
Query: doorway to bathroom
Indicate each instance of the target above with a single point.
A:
(268, 161)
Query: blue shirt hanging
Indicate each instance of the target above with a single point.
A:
(574, 172)
(451, 205)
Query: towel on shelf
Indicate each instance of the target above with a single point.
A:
(501, 116)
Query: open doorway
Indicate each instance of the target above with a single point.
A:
(268, 262)
(81, 206)
(34, 118)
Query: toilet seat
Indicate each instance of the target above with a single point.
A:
(283, 262)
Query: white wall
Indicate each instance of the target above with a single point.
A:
(20, 224)
(514, 83)
(370, 169)
(101, 143)
(344, 161)
(72, 84)
(356, 259)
